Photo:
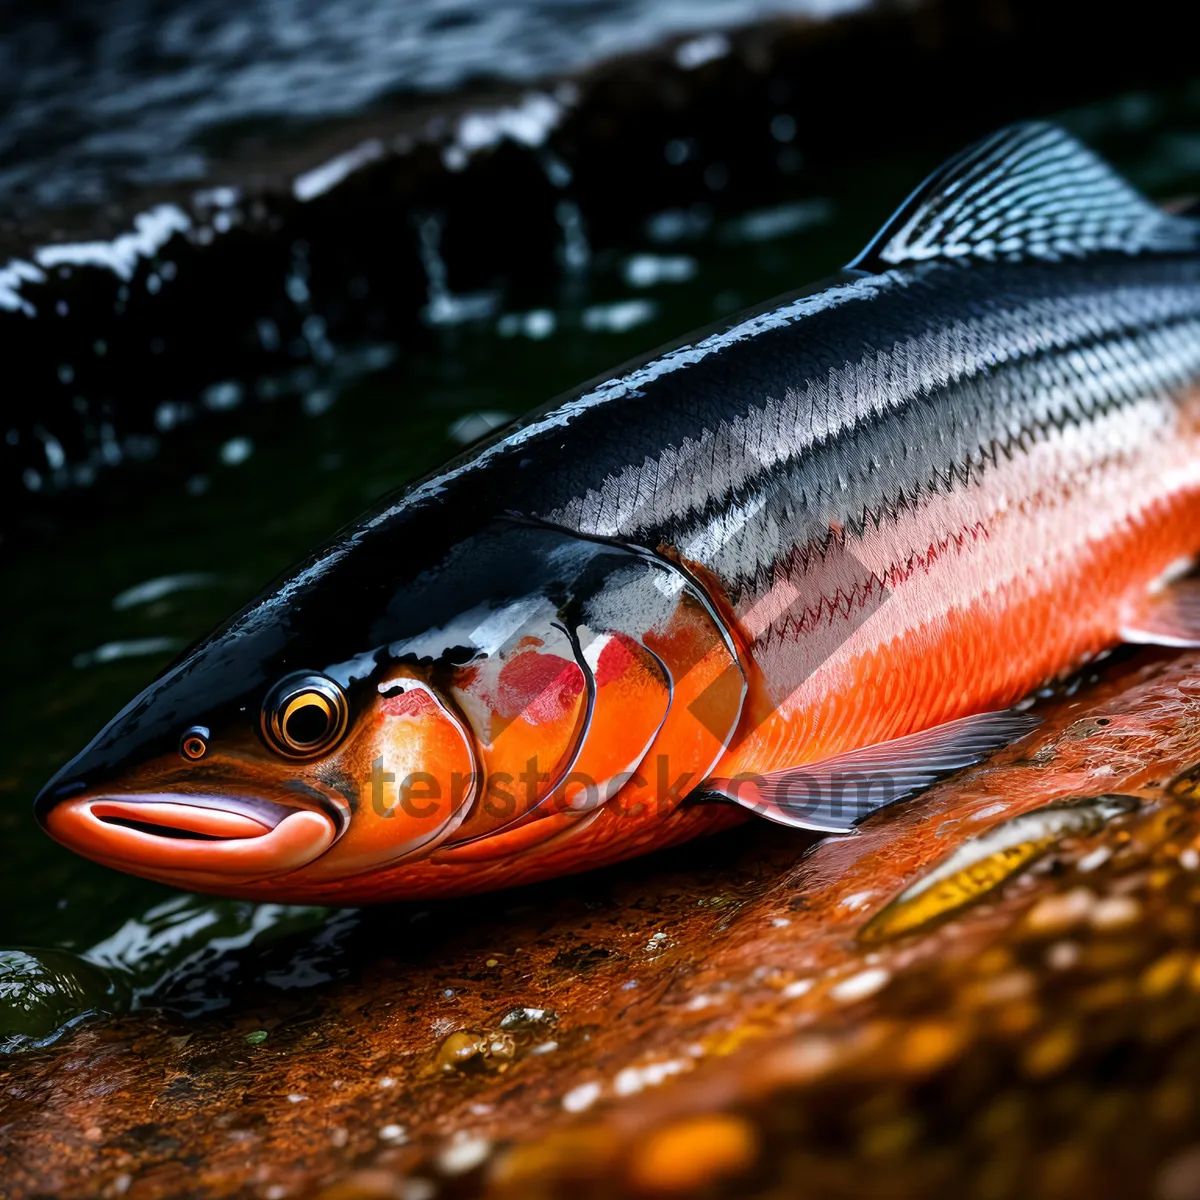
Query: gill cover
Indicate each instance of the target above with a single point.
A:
(489, 696)
(416, 773)
(607, 683)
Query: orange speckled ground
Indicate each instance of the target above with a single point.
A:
(713, 1026)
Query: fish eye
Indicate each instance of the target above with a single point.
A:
(304, 715)
(194, 742)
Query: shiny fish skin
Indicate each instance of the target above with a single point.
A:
(888, 424)
(880, 510)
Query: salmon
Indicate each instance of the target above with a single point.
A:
(801, 566)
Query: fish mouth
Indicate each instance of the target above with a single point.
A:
(184, 837)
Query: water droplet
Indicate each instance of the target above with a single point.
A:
(473, 1050)
(236, 451)
(783, 127)
(528, 1018)
(457, 1049)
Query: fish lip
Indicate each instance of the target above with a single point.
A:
(185, 837)
(54, 792)
(267, 813)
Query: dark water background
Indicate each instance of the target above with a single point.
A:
(94, 605)
(97, 96)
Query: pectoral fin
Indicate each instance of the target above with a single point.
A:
(1169, 616)
(833, 795)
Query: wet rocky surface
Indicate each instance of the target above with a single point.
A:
(725, 1019)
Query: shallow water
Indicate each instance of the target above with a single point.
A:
(99, 603)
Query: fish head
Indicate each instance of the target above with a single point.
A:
(182, 786)
(214, 788)
(328, 735)
(321, 734)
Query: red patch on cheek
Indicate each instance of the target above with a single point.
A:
(615, 660)
(413, 702)
(538, 686)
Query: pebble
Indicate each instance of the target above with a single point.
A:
(523, 1018)
(930, 1044)
(633, 1079)
(860, 986)
(1061, 913)
(1179, 1179)
(999, 989)
(1050, 1053)
(1114, 912)
(1062, 956)
(361, 1185)
(464, 1154)
(580, 1098)
(1097, 858)
(1164, 974)
(693, 1154)
(798, 987)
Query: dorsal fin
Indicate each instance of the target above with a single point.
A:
(1030, 191)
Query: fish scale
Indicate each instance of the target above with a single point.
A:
(1157, 360)
(988, 407)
